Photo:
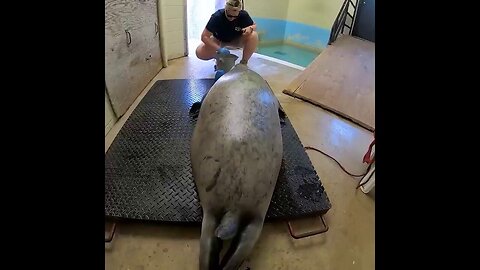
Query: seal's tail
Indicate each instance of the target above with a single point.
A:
(228, 226)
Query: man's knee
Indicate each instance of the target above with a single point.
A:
(198, 51)
(203, 52)
(253, 36)
(251, 40)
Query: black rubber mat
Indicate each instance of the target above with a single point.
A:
(147, 167)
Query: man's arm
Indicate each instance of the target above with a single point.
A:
(250, 25)
(209, 41)
(249, 29)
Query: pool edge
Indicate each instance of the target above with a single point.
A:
(283, 62)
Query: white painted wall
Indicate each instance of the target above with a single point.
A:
(173, 17)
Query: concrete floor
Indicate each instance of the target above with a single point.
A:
(350, 241)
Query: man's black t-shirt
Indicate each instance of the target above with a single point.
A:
(225, 30)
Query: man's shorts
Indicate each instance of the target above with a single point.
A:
(234, 44)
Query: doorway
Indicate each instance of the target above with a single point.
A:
(198, 14)
(365, 20)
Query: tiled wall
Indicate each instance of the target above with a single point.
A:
(174, 12)
(304, 23)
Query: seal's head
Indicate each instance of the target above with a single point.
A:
(232, 9)
(226, 62)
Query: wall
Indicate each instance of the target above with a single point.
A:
(307, 36)
(319, 13)
(172, 16)
(305, 23)
(270, 19)
(309, 21)
(132, 50)
(265, 9)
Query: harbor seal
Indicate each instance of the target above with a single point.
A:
(236, 155)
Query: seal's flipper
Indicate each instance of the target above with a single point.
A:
(210, 245)
(228, 226)
(242, 246)
(282, 115)
(195, 109)
(231, 249)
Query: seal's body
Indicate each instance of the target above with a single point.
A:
(236, 154)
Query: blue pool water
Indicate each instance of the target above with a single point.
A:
(288, 53)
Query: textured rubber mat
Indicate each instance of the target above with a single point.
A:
(148, 173)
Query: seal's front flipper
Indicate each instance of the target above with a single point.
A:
(195, 109)
(282, 115)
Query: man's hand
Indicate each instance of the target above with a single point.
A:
(223, 51)
(247, 30)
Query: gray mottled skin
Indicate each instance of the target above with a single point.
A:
(236, 155)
